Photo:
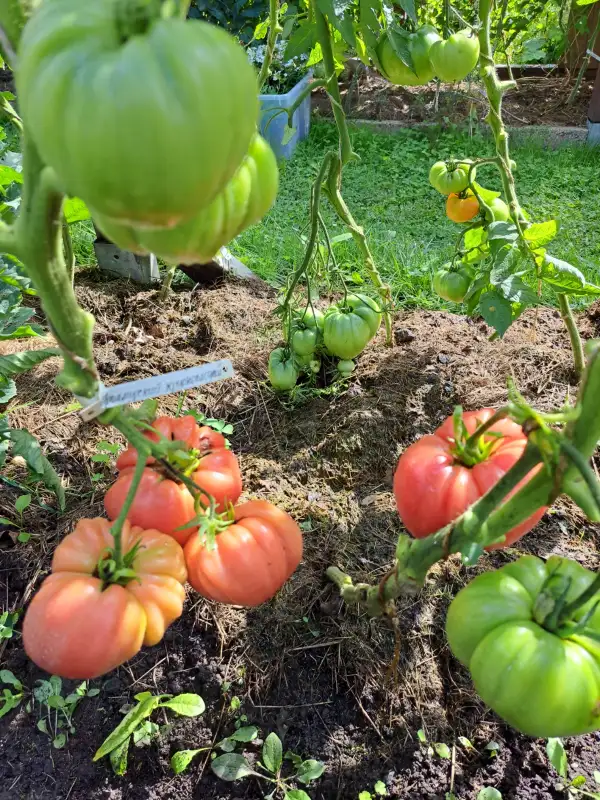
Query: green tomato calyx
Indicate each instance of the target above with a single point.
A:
(134, 17)
(473, 449)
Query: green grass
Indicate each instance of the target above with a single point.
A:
(389, 194)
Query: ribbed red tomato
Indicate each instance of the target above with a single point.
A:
(78, 628)
(161, 501)
(433, 488)
(252, 559)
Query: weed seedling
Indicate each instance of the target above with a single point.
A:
(555, 750)
(379, 790)
(22, 503)
(8, 620)
(137, 727)
(56, 711)
(12, 694)
(439, 748)
(105, 452)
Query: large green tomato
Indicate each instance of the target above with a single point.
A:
(450, 177)
(304, 341)
(454, 58)
(146, 119)
(419, 43)
(283, 373)
(500, 211)
(368, 309)
(245, 200)
(541, 683)
(309, 317)
(346, 332)
(452, 284)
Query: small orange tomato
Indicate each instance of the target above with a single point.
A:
(462, 209)
(78, 628)
(252, 558)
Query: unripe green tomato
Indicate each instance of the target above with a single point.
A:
(454, 58)
(367, 308)
(246, 198)
(283, 374)
(419, 43)
(304, 341)
(500, 211)
(346, 368)
(450, 177)
(452, 284)
(303, 362)
(311, 317)
(346, 332)
(315, 366)
(146, 128)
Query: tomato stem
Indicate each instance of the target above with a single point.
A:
(274, 30)
(472, 442)
(583, 468)
(117, 526)
(575, 605)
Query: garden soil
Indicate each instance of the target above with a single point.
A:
(319, 674)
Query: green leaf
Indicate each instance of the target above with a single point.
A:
(181, 760)
(246, 734)
(421, 736)
(23, 537)
(365, 796)
(586, 2)
(408, 6)
(22, 502)
(380, 789)
(541, 233)
(337, 12)
(6, 676)
(296, 794)
(118, 757)
(18, 363)
(27, 446)
(400, 41)
(558, 756)
(59, 741)
(442, 749)
(465, 743)
(8, 389)
(127, 725)
(75, 210)
(42, 725)
(55, 701)
(515, 290)
(496, 311)
(288, 134)
(369, 24)
(489, 794)
(578, 782)
(309, 770)
(301, 41)
(146, 412)
(501, 234)
(232, 767)
(487, 195)
(562, 275)
(186, 705)
(272, 753)
(260, 32)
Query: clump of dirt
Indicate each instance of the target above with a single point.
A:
(302, 665)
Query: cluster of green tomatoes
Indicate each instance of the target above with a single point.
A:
(342, 333)
(456, 180)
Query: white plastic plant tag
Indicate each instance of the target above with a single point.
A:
(157, 386)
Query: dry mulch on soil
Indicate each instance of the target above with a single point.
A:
(535, 101)
(302, 665)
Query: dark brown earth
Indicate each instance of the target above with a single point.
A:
(322, 684)
(536, 101)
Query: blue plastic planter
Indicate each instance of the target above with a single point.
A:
(275, 130)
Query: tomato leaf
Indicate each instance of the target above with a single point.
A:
(408, 6)
(487, 195)
(8, 389)
(370, 27)
(75, 210)
(309, 770)
(17, 363)
(515, 290)
(501, 234)
(186, 705)
(496, 311)
(232, 767)
(541, 233)
(272, 753)
(301, 41)
(557, 755)
(337, 12)
(400, 41)
(562, 275)
(181, 760)
(128, 725)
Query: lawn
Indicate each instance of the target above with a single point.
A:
(389, 193)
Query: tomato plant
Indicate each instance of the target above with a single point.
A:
(454, 58)
(452, 283)
(451, 177)
(439, 477)
(254, 554)
(130, 122)
(243, 201)
(539, 670)
(78, 627)
(462, 207)
(418, 45)
(350, 325)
